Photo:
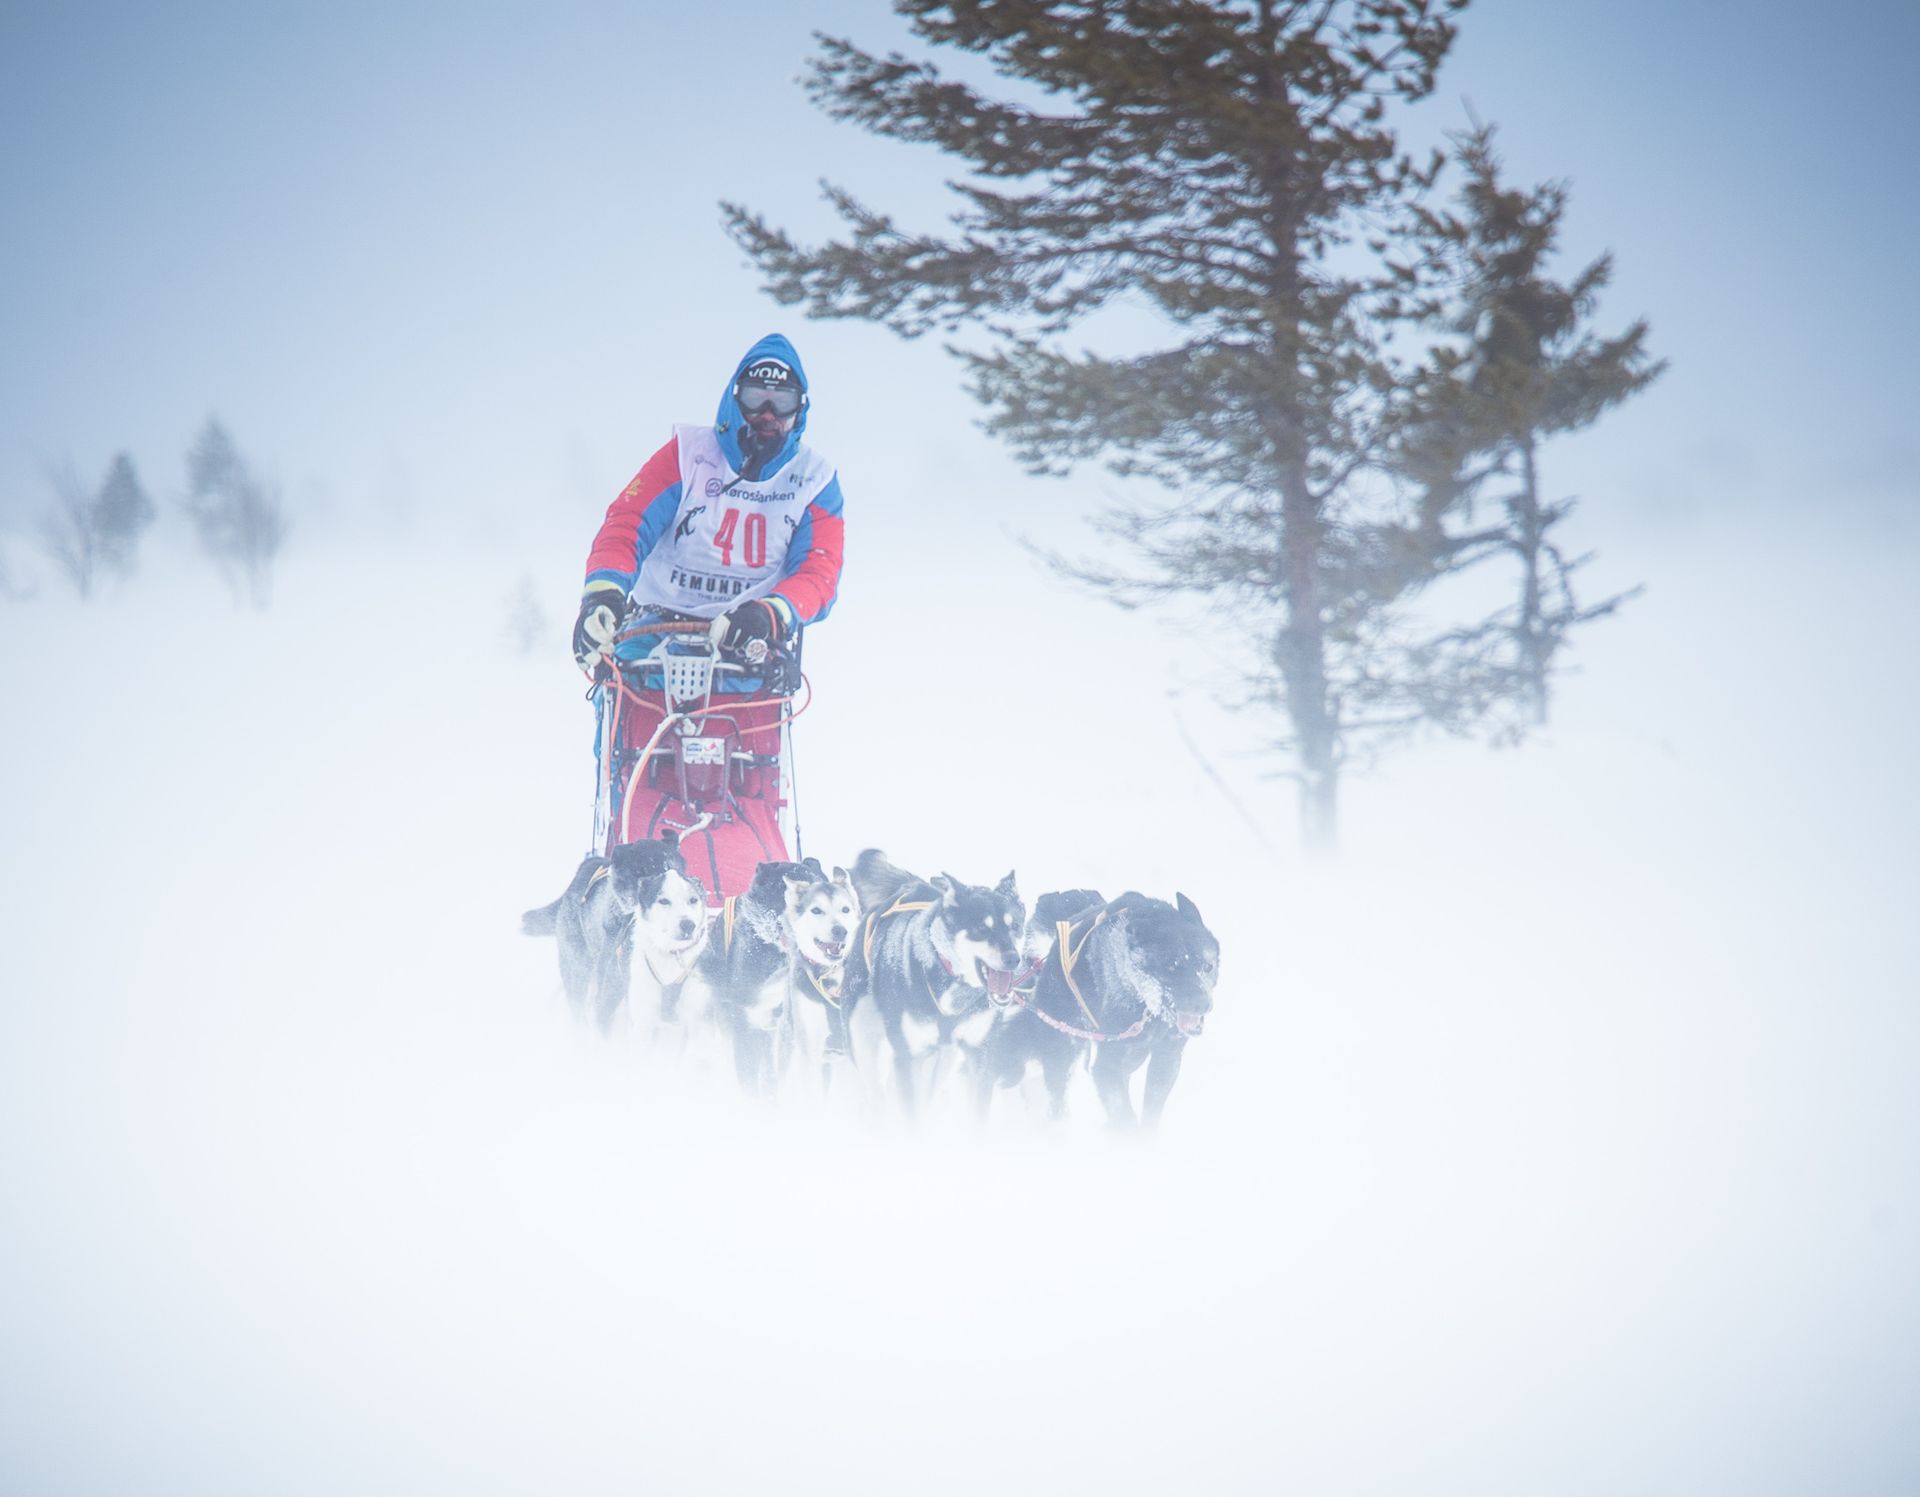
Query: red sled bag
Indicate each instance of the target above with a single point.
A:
(692, 746)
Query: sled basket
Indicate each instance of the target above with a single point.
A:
(688, 677)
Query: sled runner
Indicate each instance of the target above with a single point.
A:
(694, 745)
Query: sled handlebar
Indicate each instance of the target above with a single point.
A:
(674, 646)
(650, 627)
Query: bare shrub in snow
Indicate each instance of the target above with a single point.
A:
(91, 534)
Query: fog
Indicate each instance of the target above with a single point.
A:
(1560, 1134)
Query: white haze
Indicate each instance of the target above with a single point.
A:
(1559, 1137)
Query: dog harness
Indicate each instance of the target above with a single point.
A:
(900, 906)
(727, 923)
(830, 993)
(905, 906)
(1069, 958)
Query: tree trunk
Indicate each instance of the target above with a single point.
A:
(1302, 657)
(1532, 629)
(1319, 810)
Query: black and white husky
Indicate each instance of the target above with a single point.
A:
(1129, 981)
(823, 915)
(670, 930)
(934, 954)
(777, 969)
(639, 901)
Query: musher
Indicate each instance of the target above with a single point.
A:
(738, 522)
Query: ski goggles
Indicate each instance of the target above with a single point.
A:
(754, 399)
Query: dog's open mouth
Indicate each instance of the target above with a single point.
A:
(998, 984)
(1189, 1023)
(830, 951)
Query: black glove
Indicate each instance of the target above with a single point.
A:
(747, 622)
(601, 610)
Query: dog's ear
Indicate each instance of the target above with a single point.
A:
(944, 882)
(623, 881)
(1188, 910)
(814, 865)
(1006, 886)
(841, 876)
(669, 843)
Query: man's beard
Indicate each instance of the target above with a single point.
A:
(757, 450)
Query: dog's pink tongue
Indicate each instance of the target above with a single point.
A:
(998, 983)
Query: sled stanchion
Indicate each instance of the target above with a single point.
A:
(792, 779)
(607, 746)
(601, 813)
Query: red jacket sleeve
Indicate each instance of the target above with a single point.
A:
(812, 586)
(636, 520)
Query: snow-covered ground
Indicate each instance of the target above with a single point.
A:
(1560, 1137)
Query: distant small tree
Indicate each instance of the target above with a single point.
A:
(122, 512)
(89, 534)
(526, 625)
(66, 531)
(240, 520)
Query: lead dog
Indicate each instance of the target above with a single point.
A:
(779, 954)
(638, 897)
(931, 952)
(670, 929)
(823, 985)
(1129, 981)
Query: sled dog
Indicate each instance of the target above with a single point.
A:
(779, 952)
(822, 913)
(744, 970)
(670, 930)
(932, 951)
(1049, 910)
(639, 897)
(1128, 981)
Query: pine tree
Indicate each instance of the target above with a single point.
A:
(1233, 167)
(1532, 369)
(121, 512)
(237, 516)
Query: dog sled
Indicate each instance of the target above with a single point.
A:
(694, 745)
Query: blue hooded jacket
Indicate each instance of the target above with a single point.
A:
(728, 422)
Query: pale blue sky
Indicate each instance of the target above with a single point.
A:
(426, 255)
